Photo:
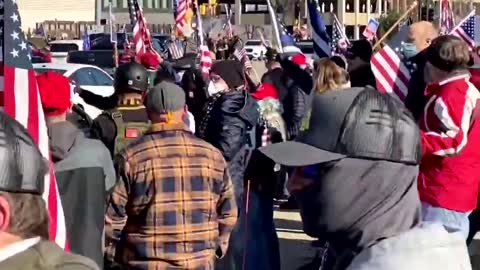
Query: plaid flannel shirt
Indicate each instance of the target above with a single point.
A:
(174, 206)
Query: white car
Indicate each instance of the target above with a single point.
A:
(59, 49)
(90, 78)
(255, 49)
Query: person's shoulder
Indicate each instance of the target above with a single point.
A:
(61, 260)
(213, 152)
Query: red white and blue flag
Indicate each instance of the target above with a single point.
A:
(466, 30)
(447, 21)
(20, 99)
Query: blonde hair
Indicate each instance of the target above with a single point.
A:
(329, 76)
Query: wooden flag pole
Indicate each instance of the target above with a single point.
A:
(412, 7)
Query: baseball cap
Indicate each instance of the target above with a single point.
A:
(165, 97)
(55, 93)
(21, 163)
(356, 123)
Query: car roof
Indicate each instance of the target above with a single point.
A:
(62, 66)
(66, 41)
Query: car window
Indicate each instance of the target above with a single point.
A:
(63, 47)
(84, 76)
(101, 78)
(253, 43)
(43, 70)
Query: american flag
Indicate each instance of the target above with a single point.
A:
(391, 74)
(340, 41)
(319, 31)
(205, 58)
(175, 49)
(446, 17)
(466, 30)
(229, 22)
(180, 12)
(20, 99)
(242, 56)
(142, 39)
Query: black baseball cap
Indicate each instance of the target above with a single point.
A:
(356, 123)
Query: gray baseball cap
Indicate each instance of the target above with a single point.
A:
(165, 97)
(356, 123)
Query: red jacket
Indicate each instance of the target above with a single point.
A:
(450, 169)
(475, 79)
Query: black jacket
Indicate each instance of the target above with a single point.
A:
(226, 126)
(292, 97)
(360, 73)
(84, 173)
(416, 100)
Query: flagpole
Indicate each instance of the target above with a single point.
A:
(273, 17)
(379, 42)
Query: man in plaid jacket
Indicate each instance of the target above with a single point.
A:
(174, 205)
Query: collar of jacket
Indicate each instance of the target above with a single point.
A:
(459, 76)
(159, 127)
(130, 102)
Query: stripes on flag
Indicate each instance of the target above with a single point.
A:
(21, 100)
(319, 31)
(466, 30)
(447, 21)
(205, 57)
(175, 49)
(241, 55)
(340, 41)
(142, 39)
(180, 13)
(391, 74)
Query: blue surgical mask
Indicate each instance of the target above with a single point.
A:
(409, 50)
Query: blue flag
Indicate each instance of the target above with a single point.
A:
(320, 36)
(86, 40)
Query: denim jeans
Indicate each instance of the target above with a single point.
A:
(453, 221)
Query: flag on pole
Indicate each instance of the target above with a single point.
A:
(274, 19)
(447, 21)
(241, 55)
(86, 39)
(142, 38)
(466, 30)
(391, 74)
(205, 58)
(180, 18)
(111, 23)
(319, 31)
(229, 22)
(20, 99)
(175, 49)
(287, 42)
(340, 41)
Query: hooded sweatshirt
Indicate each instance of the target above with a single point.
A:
(370, 209)
(84, 172)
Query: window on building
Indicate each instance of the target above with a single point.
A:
(163, 4)
(349, 6)
(349, 31)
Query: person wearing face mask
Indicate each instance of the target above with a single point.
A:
(230, 117)
(420, 35)
(355, 181)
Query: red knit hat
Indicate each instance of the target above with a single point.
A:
(265, 90)
(55, 93)
(300, 60)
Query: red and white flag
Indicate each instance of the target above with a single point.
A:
(391, 74)
(180, 20)
(446, 17)
(205, 58)
(142, 39)
(20, 99)
(242, 56)
(466, 30)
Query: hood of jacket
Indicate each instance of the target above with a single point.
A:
(428, 246)
(242, 104)
(62, 138)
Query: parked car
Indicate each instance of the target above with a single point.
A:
(255, 48)
(59, 49)
(100, 58)
(90, 78)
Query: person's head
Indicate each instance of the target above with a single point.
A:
(227, 75)
(23, 213)
(420, 36)
(300, 59)
(340, 61)
(165, 103)
(330, 77)
(165, 72)
(55, 95)
(446, 55)
(272, 59)
(356, 168)
(361, 49)
(131, 78)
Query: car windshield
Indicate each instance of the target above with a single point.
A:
(63, 47)
(253, 43)
(43, 70)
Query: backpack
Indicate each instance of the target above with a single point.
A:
(127, 132)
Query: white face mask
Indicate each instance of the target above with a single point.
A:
(213, 89)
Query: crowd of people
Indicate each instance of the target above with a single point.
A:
(183, 171)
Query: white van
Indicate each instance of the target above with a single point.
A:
(60, 48)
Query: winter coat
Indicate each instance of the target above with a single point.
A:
(84, 173)
(46, 255)
(450, 168)
(228, 118)
(428, 246)
(292, 98)
(415, 100)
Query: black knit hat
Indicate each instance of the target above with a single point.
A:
(231, 71)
